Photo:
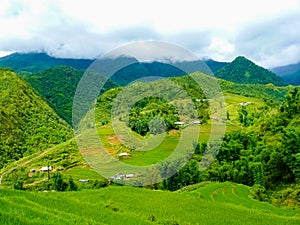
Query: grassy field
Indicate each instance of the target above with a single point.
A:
(233, 104)
(127, 205)
(67, 158)
(113, 143)
(83, 173)
(234, 194)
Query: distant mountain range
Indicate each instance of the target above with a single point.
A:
(290, 73)
(35, 62)
(240, 70)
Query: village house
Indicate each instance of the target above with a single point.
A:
(46, 168)
(245, 103)
(84, 180)
(120, 176)
(124, 154)
(196, 122)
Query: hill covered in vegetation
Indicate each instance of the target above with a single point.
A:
(28, 124)
(265, 153)
(242, 70)
(251, 154)
(260, 149)
(58, 86)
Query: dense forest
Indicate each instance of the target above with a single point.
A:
(28, 124)
(242, 70)
(58, 86)
(264, 154)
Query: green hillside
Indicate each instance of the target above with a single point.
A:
(145, 71)
(260, 148)
(264, 153)
(235, 194)
(28, 124)
(242, 70)
(266, 92)
(270, 94)
(234, 94)
(58, 86)
(127, 205)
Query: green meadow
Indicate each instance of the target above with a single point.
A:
(113, 143)
(214, 203)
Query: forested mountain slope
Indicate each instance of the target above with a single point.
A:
(58, 86)
(242, 70)
(28, 124)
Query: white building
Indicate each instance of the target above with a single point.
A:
(46, 168)
(124, 154)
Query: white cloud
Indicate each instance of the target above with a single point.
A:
(260, 30)
(153, 51)
(5, 53)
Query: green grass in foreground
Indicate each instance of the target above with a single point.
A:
(235, 194)
(127, 205)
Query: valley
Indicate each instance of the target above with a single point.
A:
(252, 178)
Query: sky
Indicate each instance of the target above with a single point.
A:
(267, 32)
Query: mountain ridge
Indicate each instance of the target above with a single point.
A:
(35, 62)
(290, 73)
(242, 70)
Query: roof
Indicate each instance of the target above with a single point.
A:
(84, 180)
(124, 154)
(46, 168)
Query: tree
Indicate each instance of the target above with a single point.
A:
(59, 183)
(227, 115)
(157, 126)
(199, 149)
(258, 173)
(18, 185)
(72, 186)
(188, 174)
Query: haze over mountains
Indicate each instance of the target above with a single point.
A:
(290, 73)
